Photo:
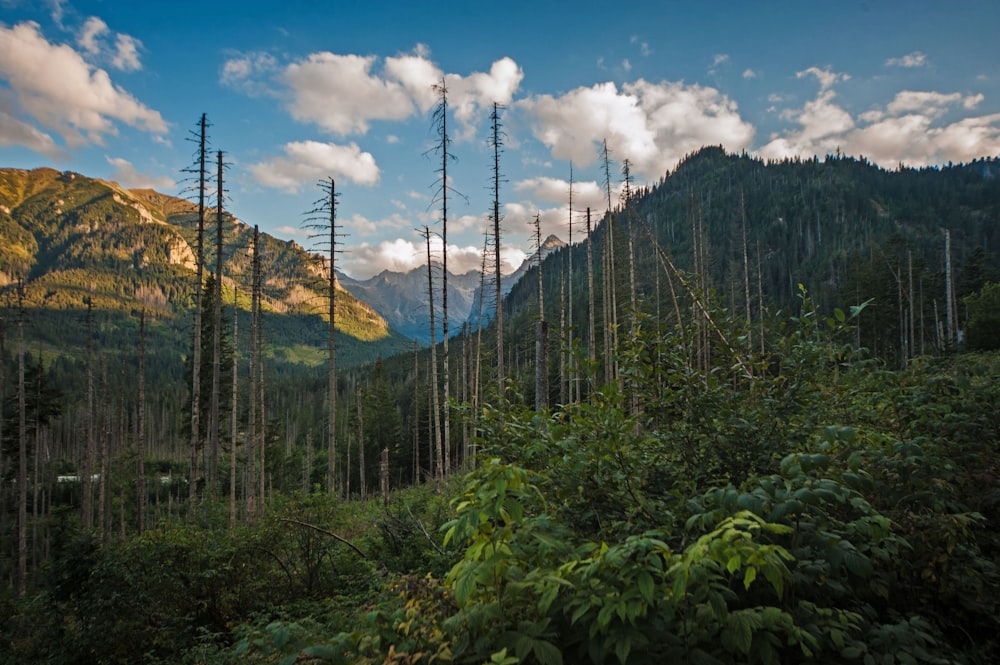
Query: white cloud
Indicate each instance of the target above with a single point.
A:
(16, 132)
(626, 65)
(340, 94)
(308, 161)
(344, 93)
(652, 124)
(248, 73)
(88, 39)
(471, 95)
(126, 55)
(126, 175)
(906, 130)
(827, 79)
(53, 84)
(915, 59)
(720, 58)
(749, 74)
(91, 38)
(292, 231)
(586, 194)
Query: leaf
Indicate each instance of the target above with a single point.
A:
(547, 653)
(645, 584)
(749, 577)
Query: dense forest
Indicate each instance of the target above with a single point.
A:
(748, 415)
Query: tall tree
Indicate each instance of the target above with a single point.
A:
(435, 424)
(443, 149)
(541, 350)
(90, 454)
(22, 452)
(215, 417)
(322, 220)
(200, 168)
(141, 429)
(233, 427)
(496, 141)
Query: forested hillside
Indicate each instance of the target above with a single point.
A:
(751, 418)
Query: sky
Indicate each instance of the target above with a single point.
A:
(298, 91)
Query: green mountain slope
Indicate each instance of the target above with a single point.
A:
(71, 238)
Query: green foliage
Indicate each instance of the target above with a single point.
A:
(983, 329)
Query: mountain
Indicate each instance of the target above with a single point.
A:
(73, 238)
(843, 228)
(507, 282)
(401, 298)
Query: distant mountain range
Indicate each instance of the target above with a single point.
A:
(401, 298)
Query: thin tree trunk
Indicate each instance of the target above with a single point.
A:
(436, 423)
(249, 485)
(498, 282)
(196, 345)
(233, 428)
(88, 463)
(361, 441)
(22, 452)
(141, 434)
(214, 419)
(590, 290)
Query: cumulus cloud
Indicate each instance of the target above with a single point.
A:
(344, 93)
(53, 84)
(305, 162)
(15, 132)
(126, 175)
(749, 74)
(125, 55)
(653, 125)
(90, 34)
(586, 194)
(915, 59)
(910, 129)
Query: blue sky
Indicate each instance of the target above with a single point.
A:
(297, 91)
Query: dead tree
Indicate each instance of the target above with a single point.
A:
(541, 352)
(141, 426)
(90, 454)
(215, 415)
(436, 407)
(322, 220)
(496, 141)
(22, 452)
(200, 169)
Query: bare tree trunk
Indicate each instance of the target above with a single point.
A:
(497, 142)
(541, 331)
(252, 396)
(441, 117)
(574, 385)
(261, 414)
(196, 345)
(436, 423)
(361, 441)
(102, 454)
(88, 463)
(233, 428)
(141, 434)
(416, 413)
(22, 452)
(215, 417)
(949, 291)
(746, 273)
(590, 290)
(384, 476)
